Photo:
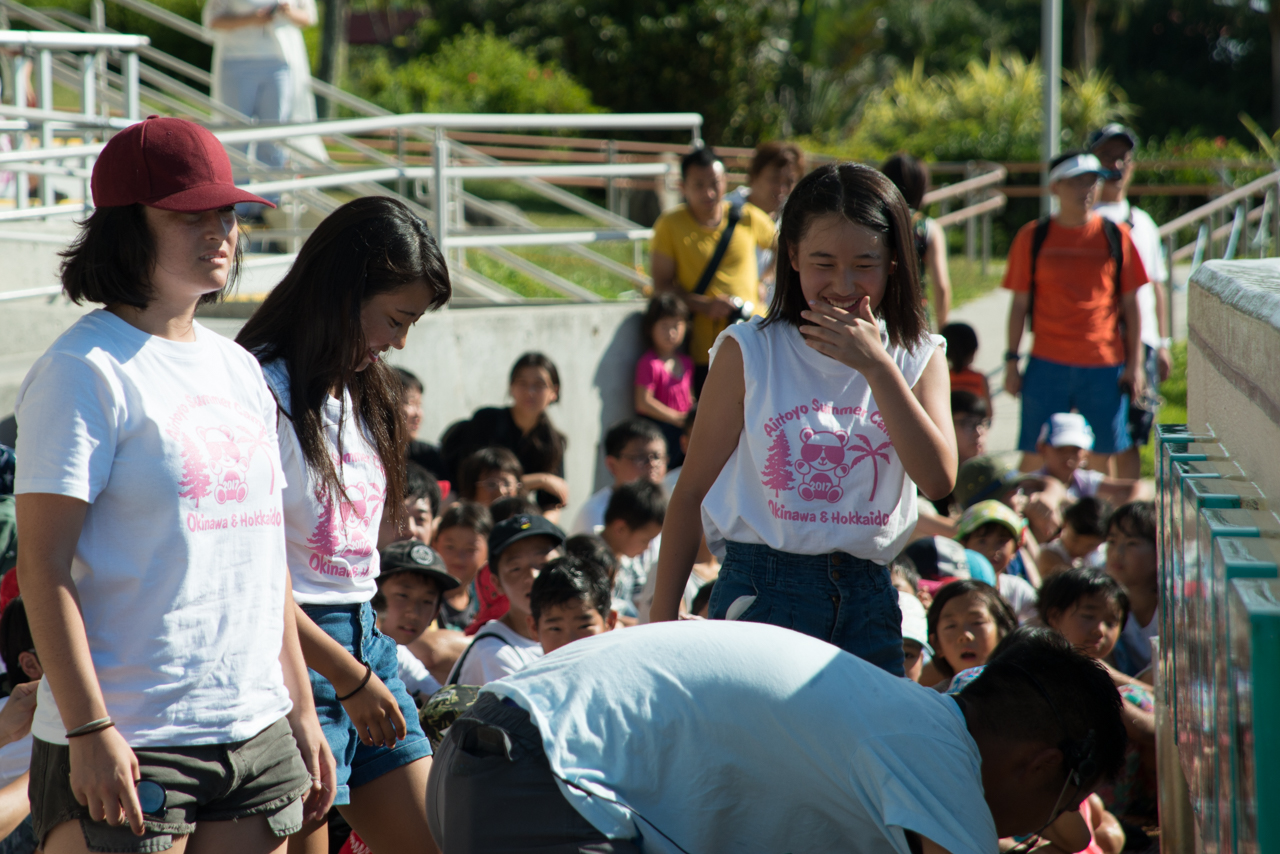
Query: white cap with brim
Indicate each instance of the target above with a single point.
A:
(915, 623)
(1067, 429)
(1081, 164)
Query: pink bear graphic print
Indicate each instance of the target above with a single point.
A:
(348, 528)
(217, 456)
(822, 464)
(227, 465)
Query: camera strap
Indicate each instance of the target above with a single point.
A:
(709, 271)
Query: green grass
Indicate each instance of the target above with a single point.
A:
(1174, 410)
(556, 259)
(967, 281)
(511, 279)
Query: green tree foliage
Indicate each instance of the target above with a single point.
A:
(475, 72)
(989, 111)
(721, 58)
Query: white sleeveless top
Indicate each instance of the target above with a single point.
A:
(814, 471)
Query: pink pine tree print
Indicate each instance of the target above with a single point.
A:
(777, 468)
(195, 483)
(873, 452)
(326, 538)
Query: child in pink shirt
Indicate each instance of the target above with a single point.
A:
(664, 374)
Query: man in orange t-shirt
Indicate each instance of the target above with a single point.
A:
(1086, 350)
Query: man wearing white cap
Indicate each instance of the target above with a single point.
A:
(1075, 276)
(1114, 146)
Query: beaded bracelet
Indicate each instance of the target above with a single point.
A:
(91, 727)
(368, 672)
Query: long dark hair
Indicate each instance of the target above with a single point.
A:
(311, 320)
(112, 259)
(869, 199)
(544, 445)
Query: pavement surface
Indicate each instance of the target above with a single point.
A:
(989, 316)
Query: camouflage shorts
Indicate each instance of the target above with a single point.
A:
(446, 706)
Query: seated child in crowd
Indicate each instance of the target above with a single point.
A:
(489, 474)
(994, 531)
(906, 578)
(422, 499)
(492, 603)
(17, 650)
(570, 600)
(462, 541)
(634, 449)
(1131, 560)
(971, 418)
(664, 373)
(966, 621)
(1088, 607)
(419, 453)
(519, 548)
(1065, 442)
(1080, 541)
(962, 347)
(915, 635)
(411, 584)
(631, 522)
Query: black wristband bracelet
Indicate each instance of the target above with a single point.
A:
(368, 672)
(1011, 356)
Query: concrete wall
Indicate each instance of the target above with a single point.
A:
(1233, 362)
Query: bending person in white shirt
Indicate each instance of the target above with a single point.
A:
(710, 735)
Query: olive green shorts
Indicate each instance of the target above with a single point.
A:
(264, 775)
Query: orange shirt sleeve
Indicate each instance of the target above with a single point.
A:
(1017, 274)
(1134, 275)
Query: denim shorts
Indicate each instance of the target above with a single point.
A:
(263, 775)
(353, 627)
(841, 599)
(1050, 387)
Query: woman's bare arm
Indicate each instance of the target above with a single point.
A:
(103, 767)
(715, 436)
(312, 744)
(372, 709)
(935, 258)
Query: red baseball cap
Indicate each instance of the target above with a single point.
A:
(166, 163)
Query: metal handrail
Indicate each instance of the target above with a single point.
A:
(995, 177)
(39, 40)
(1173, 226)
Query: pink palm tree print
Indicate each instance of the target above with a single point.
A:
(866, 450)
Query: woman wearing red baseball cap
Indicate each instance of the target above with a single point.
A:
(150, 509)
(363, 277)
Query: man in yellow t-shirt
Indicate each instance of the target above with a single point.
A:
(684, 241)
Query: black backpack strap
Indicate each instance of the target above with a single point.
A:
(457, 668)
(709, 271)
(1038, 238)
(1115, 243)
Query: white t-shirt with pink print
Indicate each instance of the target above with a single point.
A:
(180, 566)
(332, 541)
(815, 470)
